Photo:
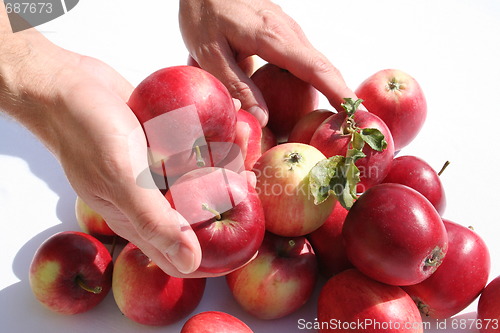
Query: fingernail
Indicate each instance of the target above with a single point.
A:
(259, 113)
(182, 257)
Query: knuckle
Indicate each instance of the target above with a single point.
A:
(240, 90)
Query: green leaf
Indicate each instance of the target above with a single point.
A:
(349, 194)
(321, 176)
(374, 138)
(351, 105)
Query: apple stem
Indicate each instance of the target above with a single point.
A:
(205, 206)
(443, 168)
(199, 159)
(84, 286)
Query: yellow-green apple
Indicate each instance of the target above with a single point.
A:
(460, 278)
(288, 98)
(488, 307)
(188, 117)
(71, 272)
(226, 214)
(306, 126)
(352, 302)
(247, 65)
(279, 280)
(282, 175)
(215, 322)
(397, 98)
(328, 244)
(92, 222)
(147, 295)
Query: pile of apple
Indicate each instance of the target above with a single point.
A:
(314, 193)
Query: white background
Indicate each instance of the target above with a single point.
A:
(450, 47)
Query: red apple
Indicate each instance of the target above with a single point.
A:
(188, 117)
(215, 322)
(226, 214)
(248, 138)
(279, 280)
(328, 244)
(460, 278)
(92, 222)
(71, 272)
(331, 139)
(394, 235)
(268, 140)
(147, 295)
(247, 65)
(283, 187)
(488, 308)
(419, 175)
(287, 97)
(398, 100)
(306, 126)
(352, 302)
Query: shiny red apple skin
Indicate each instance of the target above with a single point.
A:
(397, 98)
(328, 244)
(288, 98)
(215, 322)
(57, 265)
(416, 173)
(147, 295)
(394, 235)
(231, 241)
(93, 223)
(180, 107)
(306, 126)
(488, 307)
(330, 140)
(350, 297)
(248, 138)
(279, 280)
(460, 278)
(283, 186)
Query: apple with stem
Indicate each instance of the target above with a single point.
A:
(71, 272)
(215, 322)
(279, 280)
(147, 295)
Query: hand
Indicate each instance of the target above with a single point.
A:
(221, 33)
(77, 106)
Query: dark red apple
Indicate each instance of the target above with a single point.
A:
(226, 214)
(306, 126)
(268, 140)
(460, 278)
(398, 100)
(394, 235)
(332, 138)
(71, 272)
(215, 322)
(288, 98)
(328, 244)
(352, 302)
(488, 308)
(147, 295)
(419, 175)
(279, 280)
(188, 117)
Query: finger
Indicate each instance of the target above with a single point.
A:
(222, 64)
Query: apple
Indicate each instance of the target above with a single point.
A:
(460, 278)
(288, 98)
(398, 100)
(147, 295)
(352, 302)
(248, 138)
(306, 126)
(188, 117)
(419, 175)
(247, 65)
(328, 244)
(282, 175)
(279, 280)
(333, 138)
(71, 272)
(92, 222)
(226, 214)
(215, 322)
(268, 140)
(394, 235)
(488, 308)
